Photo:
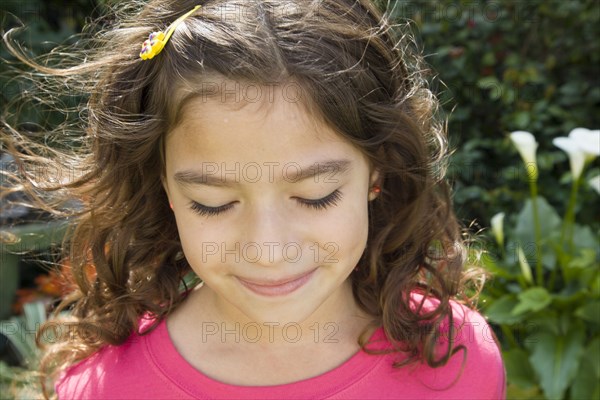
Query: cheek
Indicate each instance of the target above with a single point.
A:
(347, 231)
(194, 240)
(340, 233)
(358, 233)
(356, 236)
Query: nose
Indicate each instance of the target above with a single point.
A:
(269, 237)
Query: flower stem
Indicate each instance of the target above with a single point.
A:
(508, 334)
(569, 219)
(566, 235)
(538, 233)
(553, 278)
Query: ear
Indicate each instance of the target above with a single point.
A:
(374, 178)
(374, 184)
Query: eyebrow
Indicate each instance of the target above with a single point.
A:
(291, 173)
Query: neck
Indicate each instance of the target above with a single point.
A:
(210, 320)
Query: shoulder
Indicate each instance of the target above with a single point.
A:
(476, 369)
(470, 329)
(112, 372)
(87, 379)
(465, 327)
(483, 366)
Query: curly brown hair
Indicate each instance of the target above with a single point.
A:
(363, 75)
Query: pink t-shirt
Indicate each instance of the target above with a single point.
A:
(149, 367)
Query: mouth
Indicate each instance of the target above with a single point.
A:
(280, 287)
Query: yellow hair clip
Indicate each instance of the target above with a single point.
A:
(157, 40)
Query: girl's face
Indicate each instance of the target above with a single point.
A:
(271, 207)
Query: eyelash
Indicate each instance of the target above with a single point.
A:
(206, 211)
(323, 203)
(319, 204)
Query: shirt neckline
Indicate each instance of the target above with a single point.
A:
(167, 359)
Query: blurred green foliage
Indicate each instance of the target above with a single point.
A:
(504, 66)
(534, 66)
(545, 302)
(46, 24)
(501, 66)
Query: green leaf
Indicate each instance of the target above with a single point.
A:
(21, 330)
(587, 382)
(521, 119)
(549, 221)
(590, 312)
(592, 354)
(543, 321)
(568, 301)
(488, 82)
(516, 392)
(584, 238)
(580, 265)
(500, 311)
(489, 58)
(556, 359)
(490, 263)
(586, 258)
(533, 299)
(549, 227)
(595, 284)
(518, 369)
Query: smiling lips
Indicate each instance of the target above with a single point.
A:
(280, 288)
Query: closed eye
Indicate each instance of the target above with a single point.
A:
(330, 200)
(207, 211)
(320, 204)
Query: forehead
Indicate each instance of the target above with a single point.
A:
(275, 129)
(216, 89)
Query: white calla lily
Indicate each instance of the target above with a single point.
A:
(588, 141)
(525, 268)
(576, 155)
(497, 222)
(595, 183)
(526, 146)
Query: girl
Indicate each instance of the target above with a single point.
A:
(288, 154)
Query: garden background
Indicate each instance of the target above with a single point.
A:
(501, 66)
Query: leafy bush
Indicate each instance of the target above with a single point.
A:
(546, 295)
(45, 24)
(503, 67)
(507, 66)
(22, 382)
